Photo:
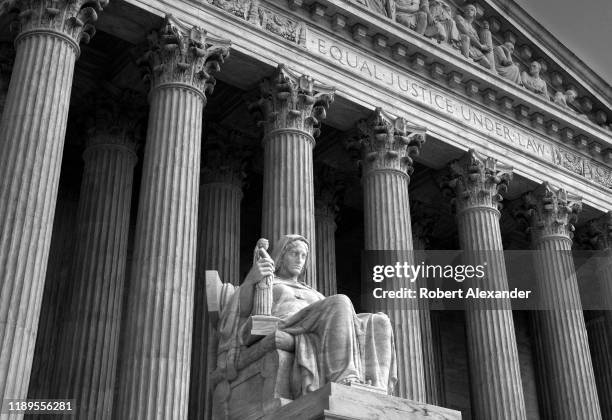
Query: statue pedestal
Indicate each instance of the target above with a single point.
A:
(335, 401)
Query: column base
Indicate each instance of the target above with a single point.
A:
(335, 401)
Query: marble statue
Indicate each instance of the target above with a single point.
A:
(565, 99)
(532, 80)
(474, 46)
(382, 7)
(504, 64)
(441, 25)
(332, 342)
(413, 14)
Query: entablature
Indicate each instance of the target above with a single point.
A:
(383, 37)
(291, 37)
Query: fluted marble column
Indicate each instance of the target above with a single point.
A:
(327, 189)
(600, 330)
(156, 357)
(421, 230)
(292, 108)
(564, 357)
(388, 145)
(601, 353)
(495, 377)
(56, 285)
(86, 363)
(221, 180)
(6, 66)
(32, 131)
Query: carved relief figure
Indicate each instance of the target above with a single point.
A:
(504, 64)
(441, 25)
(382, 7)
(532, 80)
(413, 14)
(332, 342)
(240, 8)
(283, 26)
(565, 99)
(472, 45)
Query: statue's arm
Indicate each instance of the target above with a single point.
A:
(262, 268)
(466, 29)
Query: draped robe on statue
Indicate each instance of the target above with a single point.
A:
(332, 342)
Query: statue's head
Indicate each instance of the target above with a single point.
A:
(571, 95)
(510, 46)
(290, 254)
(534, 68)
(469, 11)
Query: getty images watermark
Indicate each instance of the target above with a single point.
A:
(450, 280)
(459, 273)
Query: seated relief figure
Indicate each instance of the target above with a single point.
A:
(413, 14)
(331, 342)
(473, 46)
(504, 64)
(433, 19)
(382, 7)
(441, 24)
(565, 99)
(532, 80)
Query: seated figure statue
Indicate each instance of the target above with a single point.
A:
(331, 343)
(413, 14)
(533, 81)
(565, 99)
(441, 25)
(382, 7)
(504, 64)
(472, 45)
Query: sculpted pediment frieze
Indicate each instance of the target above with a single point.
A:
(485, 51)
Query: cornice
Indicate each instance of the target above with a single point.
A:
(548, 43)
(389, 40)
(268, 49)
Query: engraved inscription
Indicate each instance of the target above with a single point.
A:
(437, 100)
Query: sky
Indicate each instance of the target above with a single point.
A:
(585, 27)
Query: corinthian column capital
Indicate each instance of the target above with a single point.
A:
(597, 233)
(116, 117)
(478, 181)
(388, 143)
(328, 186)
(224, 156)
(292, 101)
(551, 212)
(179, 54)
(72, 19)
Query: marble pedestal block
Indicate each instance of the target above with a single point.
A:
(335, 401)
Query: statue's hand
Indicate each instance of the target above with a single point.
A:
(261, 269)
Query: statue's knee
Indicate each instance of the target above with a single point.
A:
(381, 321)
(341, 300)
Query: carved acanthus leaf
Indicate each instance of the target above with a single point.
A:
(478, 181)
(387, 143)
(74, 18)
(328, 188)
(116, 117)
(597, 233)
(551, 211)
(292, 101)
(224, 155)
(178, 53)
(423, 220)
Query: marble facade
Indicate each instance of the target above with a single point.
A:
(329, 119)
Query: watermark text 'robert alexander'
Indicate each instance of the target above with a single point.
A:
(411, 272)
